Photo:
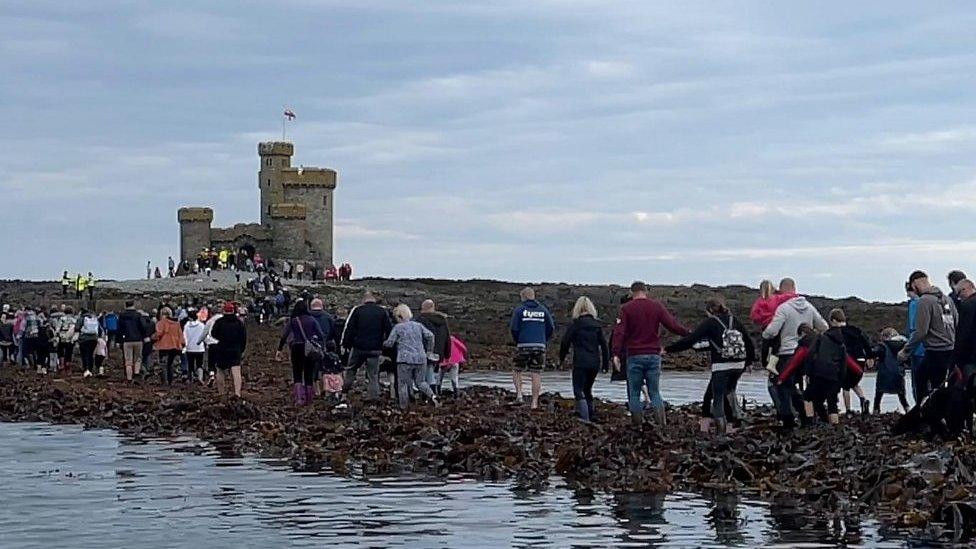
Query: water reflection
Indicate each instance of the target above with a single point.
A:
(64, 486)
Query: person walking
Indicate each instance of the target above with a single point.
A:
(80, 285)
(954, 278)
(306, 345)
(859, 348)
(935, 327)
(637, 336)
(231, 336)
(65, 284)
(208, 340)
(731, 351)
(66, 335)
(436, 322)
(366, 328)
(532, 327)
(793, 312)
(90, 286)
(6, 339)
(169, 342)
(915, 361)
(89, 330)
(964, 352)
(171, 266)
(132, 336)
(891, 376)
(451, 366)
(591, 354)
(195, 347)
(412, 342)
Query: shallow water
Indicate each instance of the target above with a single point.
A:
(676, 387)
(64, 486)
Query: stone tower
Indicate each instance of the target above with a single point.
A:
(296, 214)
(194, 231)
(312, 188)
(275, 157)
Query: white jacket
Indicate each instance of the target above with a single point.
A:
(788, 318)
(193, 334)
(205, 336)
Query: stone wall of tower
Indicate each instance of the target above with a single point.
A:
(289, 232)
(275, 157)
(313, 188)
(194, 231)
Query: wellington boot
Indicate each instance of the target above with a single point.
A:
(637, 419)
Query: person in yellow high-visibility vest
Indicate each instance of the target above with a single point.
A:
(222, 258)
(90, 283)
(65, 284)
(80, 285)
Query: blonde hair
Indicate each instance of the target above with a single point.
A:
(584, 306)
(766, 289)
(402, 313)
(889, 333)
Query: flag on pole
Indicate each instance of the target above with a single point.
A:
(289, 114)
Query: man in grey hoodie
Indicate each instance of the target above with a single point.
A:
(935, 327)
(789, 316)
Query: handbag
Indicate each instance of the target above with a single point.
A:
(313, 350)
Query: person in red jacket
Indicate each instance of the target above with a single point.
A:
(824, 360)
(637, 336)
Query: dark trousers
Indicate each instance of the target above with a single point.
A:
(167, 357)
(302, 369)
(790, 399)
(583, 379)
(933, 371)
(6, 353)
(720, 392)
(194, 361)
(66, 350)
(87, 350)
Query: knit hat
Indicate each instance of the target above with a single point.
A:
(317, 305)
(229, 308)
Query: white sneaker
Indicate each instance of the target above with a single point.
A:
(435, 401)
(101, 370)
(87, 373)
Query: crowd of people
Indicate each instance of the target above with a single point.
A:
(813, 363)
(241, 261)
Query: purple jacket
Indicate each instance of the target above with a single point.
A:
(292, 334)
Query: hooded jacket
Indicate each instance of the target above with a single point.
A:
(804, 360)
(532, 325)
(193, 334)
(788, 318)
(935, 322)
(169, 335)
(590, 350)
(763, 309)
(436, 322)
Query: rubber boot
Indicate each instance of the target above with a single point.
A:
(705, 424)
(661, 417)
(591, 410)
(721, 426)
(299, 394)
(582, 410)
(309, 395)
(637, 418)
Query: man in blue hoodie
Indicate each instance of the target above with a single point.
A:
(532, 326)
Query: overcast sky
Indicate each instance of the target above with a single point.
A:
(581, 141)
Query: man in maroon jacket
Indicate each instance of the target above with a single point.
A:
(637, 336)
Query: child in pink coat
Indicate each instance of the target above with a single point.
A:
(762, 314)
(451, 366)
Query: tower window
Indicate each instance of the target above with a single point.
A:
(269, 182)
(269, 209)
(268, 162)
(325, 201)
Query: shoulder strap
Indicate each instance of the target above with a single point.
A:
(719, 320)
(300, 327)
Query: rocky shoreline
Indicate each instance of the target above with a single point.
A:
(854, 469)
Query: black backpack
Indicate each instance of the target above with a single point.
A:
(828, 356)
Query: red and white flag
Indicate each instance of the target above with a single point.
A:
(289, 114)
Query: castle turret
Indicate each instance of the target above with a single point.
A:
(313, 188)
(275, 157)
(288, 231)
(194, 231)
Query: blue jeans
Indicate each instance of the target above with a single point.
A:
(641, 370)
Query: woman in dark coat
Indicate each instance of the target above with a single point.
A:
(590, 354)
